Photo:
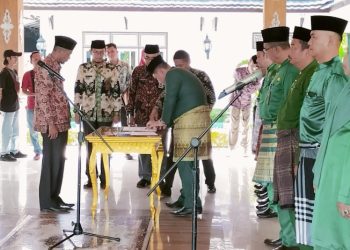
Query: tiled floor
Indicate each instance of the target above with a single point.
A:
(228, 221)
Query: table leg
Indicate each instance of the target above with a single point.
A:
(92, 172)
(106, 167)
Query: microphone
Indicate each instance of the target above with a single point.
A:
(256, 75)
(51, 71)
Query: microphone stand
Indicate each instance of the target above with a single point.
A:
(194, 144)
(78, 230)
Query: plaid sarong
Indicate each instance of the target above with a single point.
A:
(189, 125)
(286, 159)
(265, 162)
(304, 194)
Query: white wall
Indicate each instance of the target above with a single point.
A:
(231, 43)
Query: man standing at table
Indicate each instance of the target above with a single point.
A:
(97, 92)
(143, 94)
(52, 120)
(186, 110)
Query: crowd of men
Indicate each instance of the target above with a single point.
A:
(302, 155)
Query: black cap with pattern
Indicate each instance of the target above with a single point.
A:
(151, 49)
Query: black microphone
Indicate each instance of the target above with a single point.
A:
(256, 75)
(51, 71)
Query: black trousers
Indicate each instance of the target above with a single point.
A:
(167, 162)
(52, 169)
(88, 130)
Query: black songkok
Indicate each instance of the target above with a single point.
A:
(259, 46)
(98, 44)
(275, 34)
(151, 49)
(301, 33)
(65, 42)
(329, 23)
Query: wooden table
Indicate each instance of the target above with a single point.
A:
(120, 141)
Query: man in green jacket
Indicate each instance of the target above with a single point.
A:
(185, 109)
(287, 157)
(277, 48)
(325, 118)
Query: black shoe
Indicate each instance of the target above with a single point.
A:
(211, 189)
(143, 183)
(88, 185)
(19, 154)
(58, 209)
(103, 185)
(262, 206)
(7, 157)
(262, 194)
(283, 247)
(176, 204)
(185, 211)
(260, 190)
(64, 204)
(258, 186)
(166, 191)
(268, 214)
(262, 210)
(273, 243)
(129, 157)
(262, 200)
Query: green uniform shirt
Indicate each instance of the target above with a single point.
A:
(277, 91)
(289, 114)
(183, 92)
(312, 113)
(271, 72)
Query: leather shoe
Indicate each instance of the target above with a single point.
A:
(88, 185)
(283, 247)
(58, 209)
(64, 204)
(262, 206)
(185, 211)
(258, 186)
(211, 189)
(102, 185)
(273, 243)
(165, 190)
(143, 183)
(267, 214)
(176, 204)
(263, 200)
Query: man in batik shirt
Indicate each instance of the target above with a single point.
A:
(52, 120)
(97, 92)
(143, 94)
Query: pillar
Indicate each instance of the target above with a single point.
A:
(274, 13)
(11, 28)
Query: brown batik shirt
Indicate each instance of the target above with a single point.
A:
(143, 94)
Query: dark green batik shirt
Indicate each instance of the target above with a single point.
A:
(289, 114)
(277, 91)
(183, 92)
(312, 113)
(270, 74)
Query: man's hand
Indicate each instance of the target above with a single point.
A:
(53, 132)
(76, 118)
(344, 210)
(154, 114)
(159, 125)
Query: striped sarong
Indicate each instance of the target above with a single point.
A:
(189, 125)
(265, 162)
(304, 194)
